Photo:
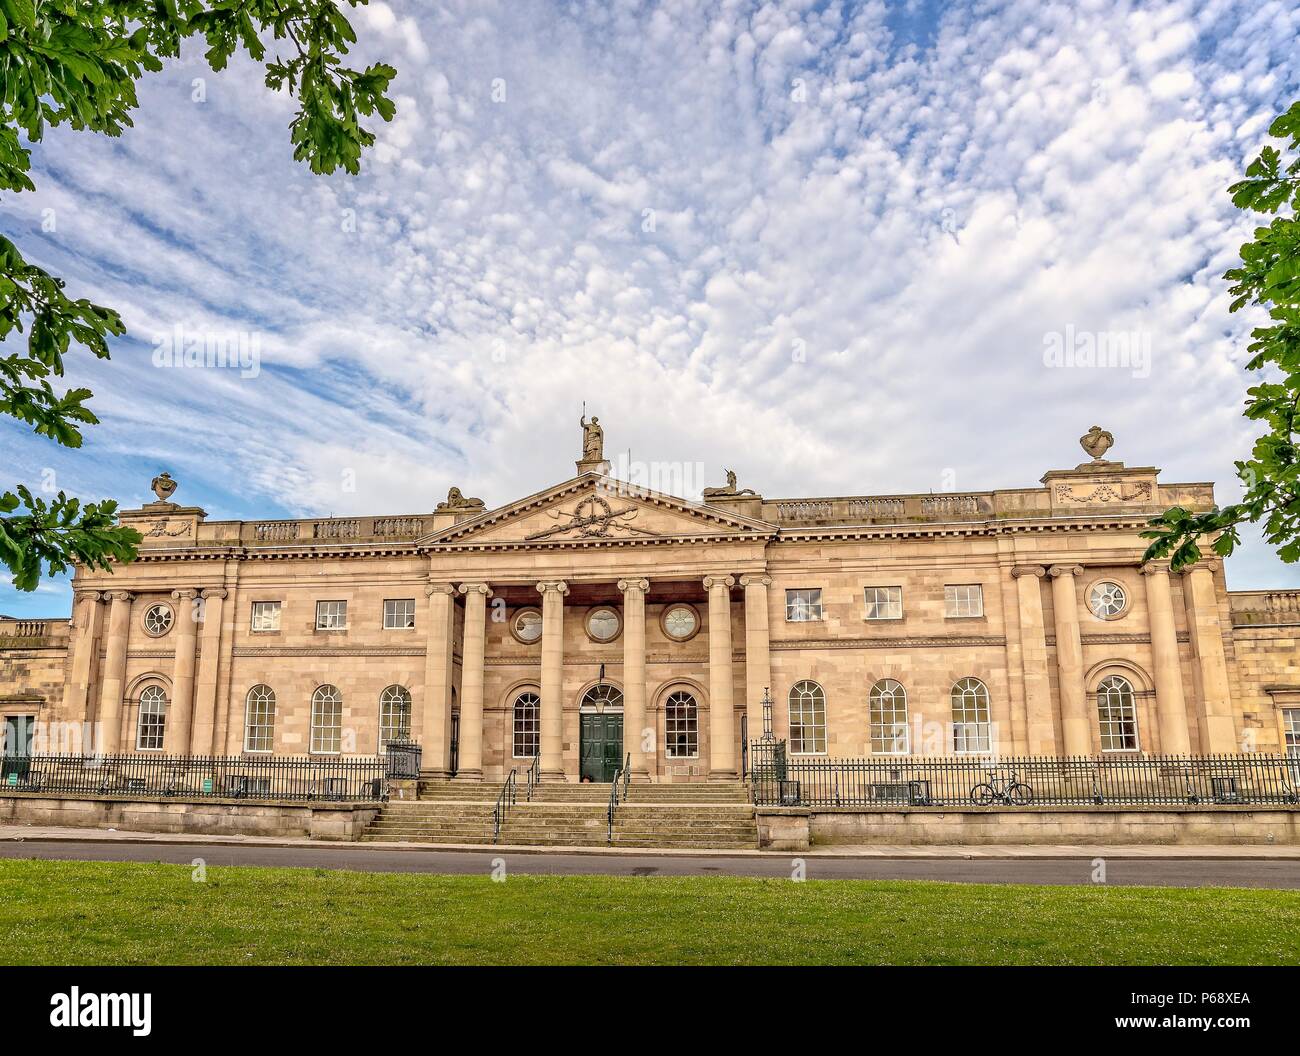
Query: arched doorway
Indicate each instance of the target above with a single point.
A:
(600, 719)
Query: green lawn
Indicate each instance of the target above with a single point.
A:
(112, 913)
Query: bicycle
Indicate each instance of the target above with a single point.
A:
(1012, 793)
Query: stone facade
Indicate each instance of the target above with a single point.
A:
(502, 622)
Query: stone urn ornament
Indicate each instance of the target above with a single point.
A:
(1096, 442)
(164, 487)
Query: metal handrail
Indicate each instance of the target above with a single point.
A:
(623, 774)
(505, 801)
(534, 774)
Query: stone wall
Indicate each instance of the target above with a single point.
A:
(798, 828)
(211, 817)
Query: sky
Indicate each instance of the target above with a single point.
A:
(842, 248)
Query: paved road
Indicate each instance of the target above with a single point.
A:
(1179, 872)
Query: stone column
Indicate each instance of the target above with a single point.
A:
(471, 681)
(1217, 731)
(113, 682)
(722, 719)
(1075, 728)
(1171, 706)
(758, 654)
(552, 708)
(634, 688)
(1040, 731)
(203, 732)
(179, 722)
(435, 727)
(86, 623)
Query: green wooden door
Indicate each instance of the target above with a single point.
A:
(601, 748)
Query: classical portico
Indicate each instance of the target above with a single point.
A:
(595, 597)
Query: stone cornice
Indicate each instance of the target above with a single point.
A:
(337, 650)
(908, 642)
(948, 529)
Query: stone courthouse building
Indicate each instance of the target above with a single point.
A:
(595, 620)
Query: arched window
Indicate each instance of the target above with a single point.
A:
(1117, 714)
(153, 719)
(682, 726)
(807, 718)
(327, 721)
(259, 719)
(887, 717)
(971, 727)
(394, 715)
(603, 697)
(528, 725)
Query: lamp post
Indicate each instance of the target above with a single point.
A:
(767, 715)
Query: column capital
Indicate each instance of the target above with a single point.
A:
(757, 579)
(1065, 570)
(1154, 568)
(719, 581)
(476, 588)
(119, 595)
(213, 592)
(439, 588)
(626, 585)
(89, 595)
(1028, 570)
(559, 586)
(1202, 566)
(184, 594)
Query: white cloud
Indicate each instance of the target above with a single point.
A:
(839, 290)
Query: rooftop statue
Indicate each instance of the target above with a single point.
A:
(1096, 442)
(457, 501)
(593, 439)
(163, 486)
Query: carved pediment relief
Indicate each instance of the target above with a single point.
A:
(596, 510)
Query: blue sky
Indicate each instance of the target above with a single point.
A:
(821, 243)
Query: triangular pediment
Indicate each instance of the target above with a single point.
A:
(600, 510)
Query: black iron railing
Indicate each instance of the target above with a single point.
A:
(402, 760)
(623, 776)
(890, 782)
(507, 799)
(185, 776)
(534, 773)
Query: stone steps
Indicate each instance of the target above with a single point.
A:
(683, 816)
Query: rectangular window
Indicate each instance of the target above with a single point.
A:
(331, 615)
(884, 603)
(803, 606)
(399, 614)
(1291, 718)
(963, 601)
(266, 616)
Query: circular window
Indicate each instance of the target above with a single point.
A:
(527, 626)
(603, 624)
(680, 622)
(158, 620)
(1107, 600)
